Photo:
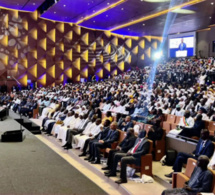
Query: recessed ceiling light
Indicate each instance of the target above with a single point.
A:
(128, 28)
(108, 3)
(143, 24)
(64, 5)
(94, 21)
(212, 3)
(93, 10)
(122, 8)
(88, 3)
(33, 3)
(106, 15)
(54, 12)
(210, 17)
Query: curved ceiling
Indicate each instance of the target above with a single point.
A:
(126, 17)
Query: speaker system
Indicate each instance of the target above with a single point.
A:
(12, 136)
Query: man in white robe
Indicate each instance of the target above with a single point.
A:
(81, 138)
(66, 122)
(75, 123)
(186, 121)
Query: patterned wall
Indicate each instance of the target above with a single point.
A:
(50, 53)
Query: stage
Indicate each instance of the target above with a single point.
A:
(31, 167)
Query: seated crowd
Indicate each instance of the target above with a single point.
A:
(88, 116)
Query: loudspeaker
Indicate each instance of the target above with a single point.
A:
(12, 136)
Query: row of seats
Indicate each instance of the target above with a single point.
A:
(171, 121)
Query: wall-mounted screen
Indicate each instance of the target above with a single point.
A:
(182, 45)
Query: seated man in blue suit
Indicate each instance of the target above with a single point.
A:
(126, 124)
(200, 180)
(204, 147)
(133, 156)
(112, 136)
(182, 45)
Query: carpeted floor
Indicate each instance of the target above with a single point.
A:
(30, 167)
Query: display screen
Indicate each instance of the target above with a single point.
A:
(182, 45)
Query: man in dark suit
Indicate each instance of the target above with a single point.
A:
(133, 156)
(182, 46)
(204, 147)
(123, 147)
(200, 180)
(124, 126)
(90, 141)
(111, 137)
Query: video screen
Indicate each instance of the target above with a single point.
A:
(182, 45)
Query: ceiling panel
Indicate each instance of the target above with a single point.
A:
(200, 15)
(25, 5)
(75, 10)
(203, 15)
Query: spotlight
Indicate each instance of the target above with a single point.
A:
(158, 55)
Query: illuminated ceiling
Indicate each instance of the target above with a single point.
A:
(126, 17)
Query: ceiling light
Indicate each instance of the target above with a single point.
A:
(54, 12)
(128, 28)
(122, 8)
(183, 11)
(212, 3)
(143, 24)
(156, 1)
(93, 10)
(64, 5)
(106, 15)
(33, 3)
(94, 21)
(210, 17)
(108, 3)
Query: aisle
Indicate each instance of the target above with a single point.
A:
(31, 167)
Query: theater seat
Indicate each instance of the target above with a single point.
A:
(211, 127)
(160, 147)
(213, 184)
(177, 120)
(36, 112)
(146, 162)
(171, 118)
(166, 126)
(178, 179)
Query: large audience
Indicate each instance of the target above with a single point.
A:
(87, 116)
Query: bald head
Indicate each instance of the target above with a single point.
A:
(113, 125)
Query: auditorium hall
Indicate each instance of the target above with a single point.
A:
(107, 97)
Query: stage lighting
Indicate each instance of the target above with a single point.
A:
(158, 55)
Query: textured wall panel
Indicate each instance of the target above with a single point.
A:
(50, 53)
